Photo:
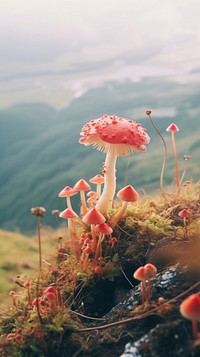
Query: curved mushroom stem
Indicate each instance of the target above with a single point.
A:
(109, 184)
(164, 157)
(115, 219)
(69, 205)
(175, 160)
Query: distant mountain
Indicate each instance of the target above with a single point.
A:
(40, 153)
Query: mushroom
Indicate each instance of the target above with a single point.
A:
(139, 274)
(69, 214)
(103, 229)
(98, 180)
(93, 217)
(190, 309)
(27, 285)
(39, 212)
(67, 192)
(126, 194)
(145, 274)
(184, 214)
(82, 186)
(12, 293)
(172, 128)
(116, 137)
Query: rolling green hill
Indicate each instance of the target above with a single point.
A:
(40, 153)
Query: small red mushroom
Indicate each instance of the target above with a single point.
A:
(82, 186)
(98, 180)
(93, 217)
(173, 128)
(145, 274)
(12, 293)
(67, 192)
(116, 137)
(27, 285)
(126, 194)
(190, 309)
(184, 214)
(70, 215)
(139, 274)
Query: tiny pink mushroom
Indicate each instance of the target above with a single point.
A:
(82, 186)
(173, 128)
(126, 194)
(67, 192)
(185, 214)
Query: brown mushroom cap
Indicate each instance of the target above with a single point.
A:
(128, 194)
(114, 134)
(190, 307)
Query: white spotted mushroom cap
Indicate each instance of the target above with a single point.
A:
(116, 135)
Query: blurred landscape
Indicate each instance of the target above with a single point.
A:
(64, 63)
(40, 153)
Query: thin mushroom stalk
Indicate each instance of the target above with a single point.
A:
(148, 112)
(172, 128)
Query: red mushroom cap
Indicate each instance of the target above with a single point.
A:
(50, 289)
(184, 213)
(97, 179)
(104, 228)
(190, 307)
(128, 194)
(93, 216)
(150, 270)
(81, 185)
(67, 191)
(88, 250)
(114, 134)
(68, 213)
(172, 127)
(140, 274)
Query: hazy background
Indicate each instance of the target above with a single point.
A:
(65, 62)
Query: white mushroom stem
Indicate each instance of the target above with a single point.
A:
(115, 219)
(98, 189)
(68, 202)
(109, 184)
(84, 208)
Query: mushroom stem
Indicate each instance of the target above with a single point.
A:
(115, 219)
(109, 184)
(69, 205)
(84, 208)
(195, 329)
(39, 243)
(185, 225)
(175, 160)
(164, 157)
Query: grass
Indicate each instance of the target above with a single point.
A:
(19, 254)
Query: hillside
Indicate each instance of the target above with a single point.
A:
(40, 153)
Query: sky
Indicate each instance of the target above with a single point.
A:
(57, 49)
